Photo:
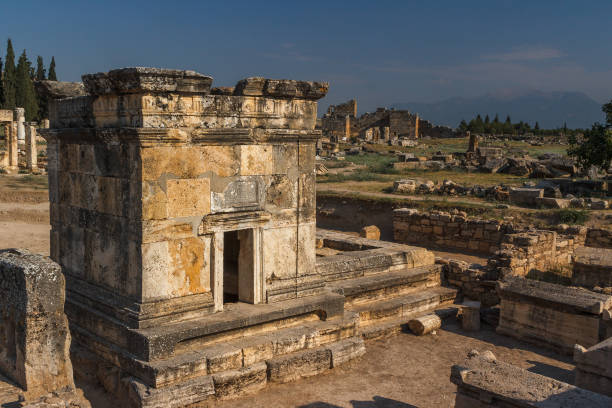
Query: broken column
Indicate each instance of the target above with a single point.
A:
(31, 148)
(473, 142)
(347, 127)
(416, 127)
(470, 315)
(36, 341)
(12, 147)
(20, 119)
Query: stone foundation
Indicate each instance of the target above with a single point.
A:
(599, 238)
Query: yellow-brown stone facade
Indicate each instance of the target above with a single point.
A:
(149, 171)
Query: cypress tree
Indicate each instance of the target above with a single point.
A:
(25, 93)
(9, 80)
(52, 74)
(1, 87)
(40, 69)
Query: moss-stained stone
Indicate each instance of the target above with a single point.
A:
(256, 160)
(188, 197)
(281, 192)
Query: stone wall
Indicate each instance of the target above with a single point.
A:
(594, 367)
(35, 341)
(592, 267)
(477, 282)
(442, 229)
(599, 238)
(518, 252)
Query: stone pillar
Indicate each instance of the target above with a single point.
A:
(347, 127)
(416, 127)
(473, 142)
(20, 119)
(386, 133)
(45, 124)
(31, 148)
(470, 315)
(12, 147)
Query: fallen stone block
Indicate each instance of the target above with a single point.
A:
(425, 324)
(592, 267)
(549, 202)
(525, 196)
(370, 232)
(483, 381)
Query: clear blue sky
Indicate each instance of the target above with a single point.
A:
(380, 52)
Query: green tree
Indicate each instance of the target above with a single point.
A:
(595, 149)
(52, 75)
(40, 69)
(478, 126)
(463, 126)
(507, 127)
(9, 80)
(25, 95)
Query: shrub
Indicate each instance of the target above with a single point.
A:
(572, 216)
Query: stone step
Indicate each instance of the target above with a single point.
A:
(387, 285)
(405, 305)
(159, 342)
(396, 325)
(231, 383)
(243, 352)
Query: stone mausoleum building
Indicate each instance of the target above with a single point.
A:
(183, 218)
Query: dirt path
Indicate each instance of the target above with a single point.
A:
(404, 371)
(15, 234)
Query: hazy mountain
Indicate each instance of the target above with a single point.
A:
(550, 109)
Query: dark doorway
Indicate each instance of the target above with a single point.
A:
(231, 252)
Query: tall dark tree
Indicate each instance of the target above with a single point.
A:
(40, 69)
(596, 147)
(1, 87)
(25, 95)
(9, 79)
(52, 75)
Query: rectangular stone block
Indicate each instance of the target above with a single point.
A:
(188, 197)
(298, 365)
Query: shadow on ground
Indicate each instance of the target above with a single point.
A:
(377, 402)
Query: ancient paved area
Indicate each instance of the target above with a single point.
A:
(405, 371)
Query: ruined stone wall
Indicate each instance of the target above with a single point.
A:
(598, 238)
(517, 252)
(475, 281)
(441, 229)
(348, 108)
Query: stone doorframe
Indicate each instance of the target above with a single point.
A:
(214, 226)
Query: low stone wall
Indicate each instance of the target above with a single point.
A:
(592, 267)
(551, 315)
(442, 229)
(517, 252)
(598, 238)
(594, 367)
(483, 381)
(34, 347)
(539, 250)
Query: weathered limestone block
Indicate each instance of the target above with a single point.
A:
(592, 267)
(525, 196)
(551, 315)
(36, 339)
(594, 367)
(299, 365)
(405, 186)
(370, 232)
(483, 381)
(470, 315)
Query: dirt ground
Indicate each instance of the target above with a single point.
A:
(405, 371)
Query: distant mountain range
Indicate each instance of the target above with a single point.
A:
(550, 109)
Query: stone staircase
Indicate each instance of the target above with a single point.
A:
(386, 302)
